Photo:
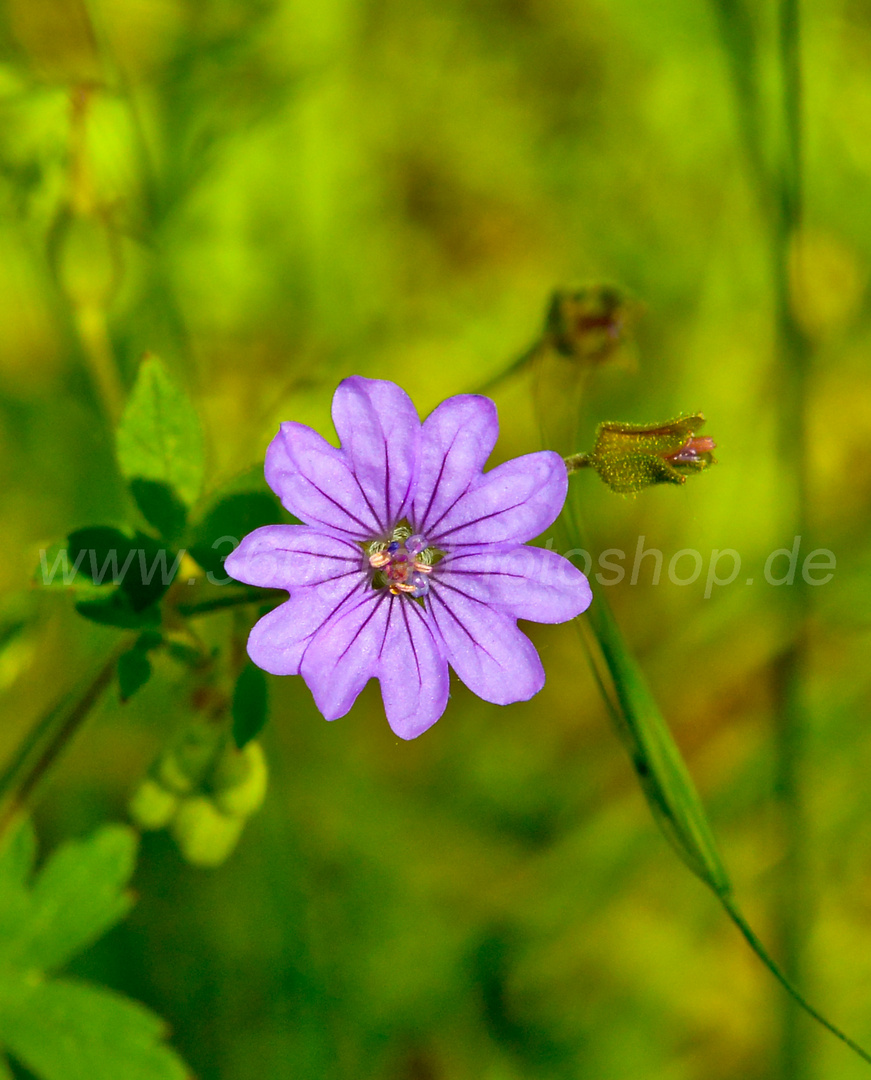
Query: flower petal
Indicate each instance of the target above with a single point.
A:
(344, 653)
(457, 439)
(315, 482)
(510, 504)
(294, 556)
(278, 641)
(529, 582)
(483, 645)
(413, 672)
(379, 429)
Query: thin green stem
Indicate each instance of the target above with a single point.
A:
(794, 994)
(794, 898)
(45, 742)
(220, 603)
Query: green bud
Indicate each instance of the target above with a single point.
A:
(152, 806)
(240, 780)
(184, 766)
(204, 835)
(629, 457)
(591, 323)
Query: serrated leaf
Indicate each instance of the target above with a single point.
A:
(65, 1030)
(134, 671)
(159, 437)
(75, 899)
(60, 1029)
(160, 506)
(250, 705)
(220, 530)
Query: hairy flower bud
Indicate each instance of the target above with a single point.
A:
(629, 457)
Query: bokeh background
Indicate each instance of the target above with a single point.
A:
(275, 194)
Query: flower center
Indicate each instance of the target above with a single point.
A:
(402, 563)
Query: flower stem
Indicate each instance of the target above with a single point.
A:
(46, 741)
(576, 462)
(791, 719)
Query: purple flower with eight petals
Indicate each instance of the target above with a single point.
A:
(410, 557)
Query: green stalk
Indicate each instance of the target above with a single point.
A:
(46, 741)
(779, 189)
(794, 899)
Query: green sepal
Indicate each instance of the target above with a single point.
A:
(160, 437)
(250, 705)
(160, 506)
(226, 522)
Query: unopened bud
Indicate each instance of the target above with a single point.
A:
(629, 457)
(589, 323)
(240, 780)
(204, 835)
(152, 806)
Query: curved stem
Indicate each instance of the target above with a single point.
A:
(790, 987)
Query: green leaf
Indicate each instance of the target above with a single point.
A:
(116, 609)
(74, 900)
(224, 525)
(250, 705)
(134, 671)
(150, 573)
(65, 1030)
(60, 1029)
(148, 640)
(159, 437)
(662, 773)
(160, 506)
(102, 553)
(140, 567)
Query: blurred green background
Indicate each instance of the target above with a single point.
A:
(275, 194)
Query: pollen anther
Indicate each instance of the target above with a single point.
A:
(402, 564)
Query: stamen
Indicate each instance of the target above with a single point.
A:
(402, 563)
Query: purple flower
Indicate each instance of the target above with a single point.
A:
(410, 557)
